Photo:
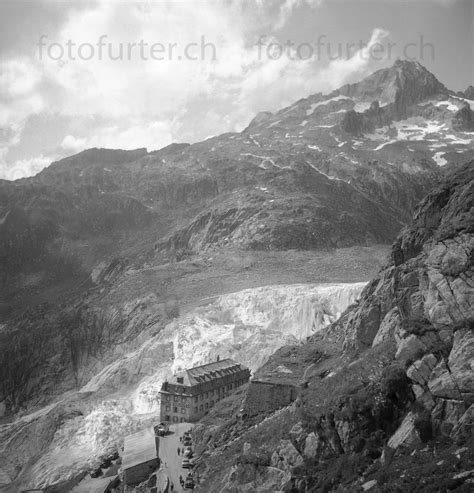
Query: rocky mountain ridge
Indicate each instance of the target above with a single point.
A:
(329, 171)
(397, 402)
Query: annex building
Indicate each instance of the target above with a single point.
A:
(191, 394)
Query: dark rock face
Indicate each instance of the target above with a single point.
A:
(469, 92)
(463, 119)
(404, 84)
(403, 384)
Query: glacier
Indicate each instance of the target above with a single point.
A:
(247, 326)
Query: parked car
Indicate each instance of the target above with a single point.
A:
(189, 483)
(106, 463)
(95, 473)
(188, 452)
(186, 463)
(187, 441)
(162, 429)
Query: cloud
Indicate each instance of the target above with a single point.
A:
(73, 144)
(339, 71)
(287, 8)
(25, 167)
(150, 103)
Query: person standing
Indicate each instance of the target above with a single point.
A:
(179, 450)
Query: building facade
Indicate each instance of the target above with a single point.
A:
(190, 395)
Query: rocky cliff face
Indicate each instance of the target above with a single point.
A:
(385, 394)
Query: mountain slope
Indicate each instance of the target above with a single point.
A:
(386, 393)
(328, 172)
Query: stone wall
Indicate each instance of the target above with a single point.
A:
(268, 396)
(140, 472)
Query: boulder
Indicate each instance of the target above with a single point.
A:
(286, 457)
(455, 379)
(409, 349)
(298, 435)
(447, 290)
(442, 384)
(464, 426)
(390, 324)
(247, 478)
(406, 433)
(423, 397)
(344, 430)
(369, 485)
(312, 446)
(421, 369)
(447, 414)
(461, 361)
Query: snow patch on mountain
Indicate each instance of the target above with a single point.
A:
(440, 160)
(448, 105)
(313, 106)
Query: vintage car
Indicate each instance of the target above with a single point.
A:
(186, 463)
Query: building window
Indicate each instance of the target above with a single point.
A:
(201, 396)
(187, 404)
(175, 419)
(175, 397)
(196, 399)
(207, 395)
(168, 398)
(195, 409)
(212, 403)
(207, 405)
(175, 409)
(167, 408)
(182, 410)
(200, 407)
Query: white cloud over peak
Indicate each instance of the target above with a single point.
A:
(150, 103)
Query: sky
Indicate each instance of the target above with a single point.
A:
(122, 74)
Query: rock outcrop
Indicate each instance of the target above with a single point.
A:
(399, 395)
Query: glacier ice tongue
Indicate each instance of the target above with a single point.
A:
(247, 326)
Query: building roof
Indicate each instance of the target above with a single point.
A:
(139, 448)
(209, 372)
(92, 485)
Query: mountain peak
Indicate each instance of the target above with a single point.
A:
(404, 83)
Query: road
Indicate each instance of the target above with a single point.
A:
(168, 452)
